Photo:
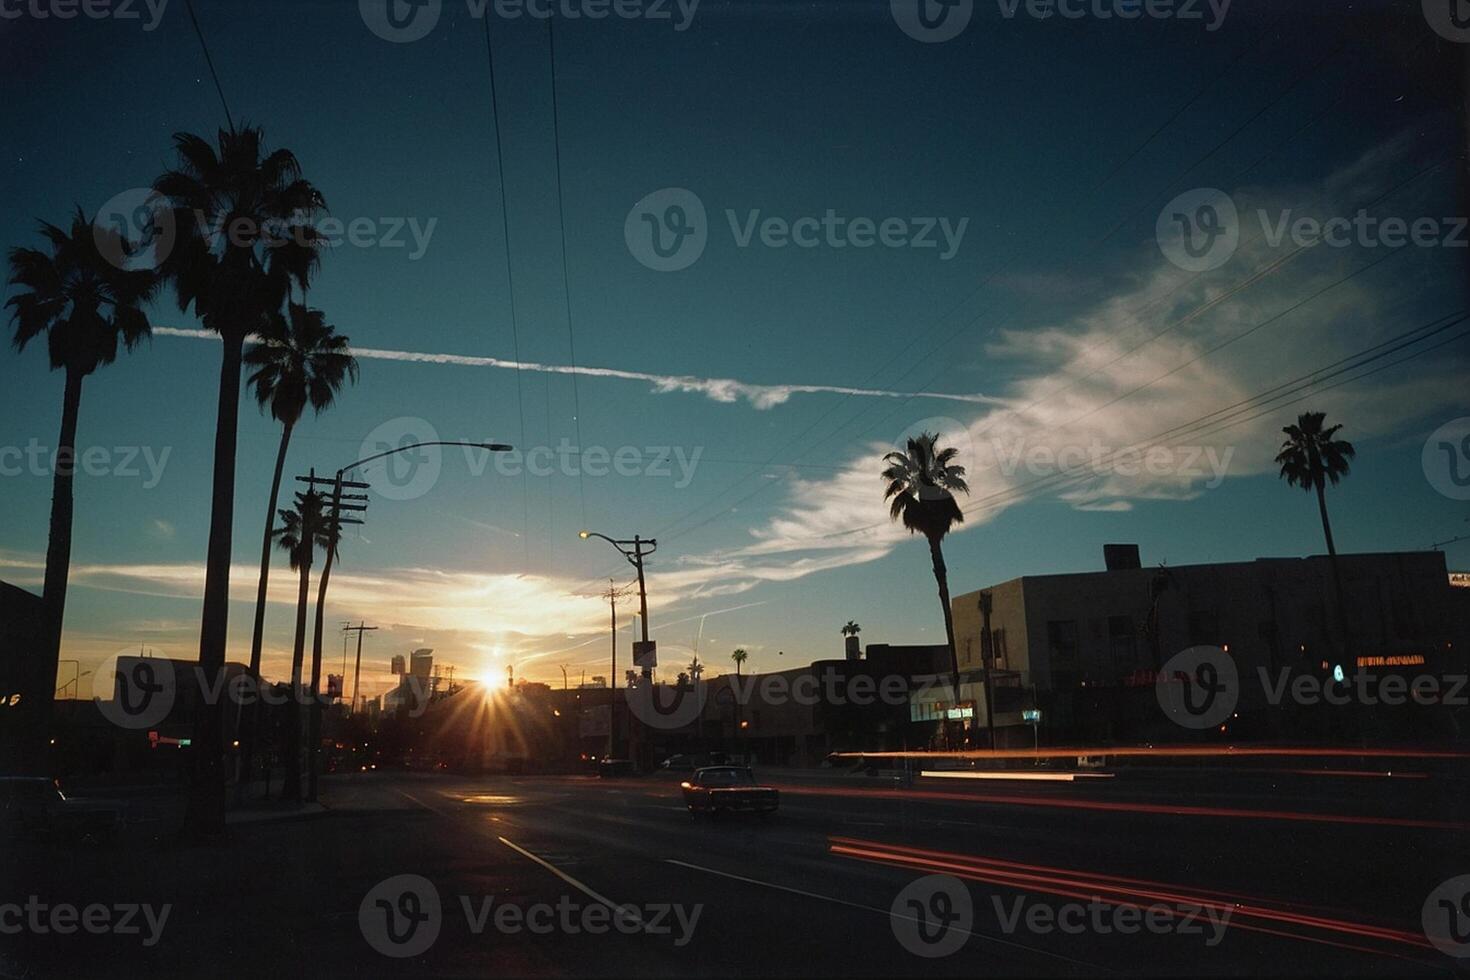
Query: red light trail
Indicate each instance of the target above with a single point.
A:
(1244, 912)
(1160, 809)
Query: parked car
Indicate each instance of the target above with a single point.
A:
(721, 789)
(34, 806)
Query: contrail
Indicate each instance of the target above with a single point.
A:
(718, 389)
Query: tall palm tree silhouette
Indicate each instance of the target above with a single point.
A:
(1311, 458)
(739, 657)
(87, 307)
(243, 219)
(922, 482)
(300, 534)
(301, 360)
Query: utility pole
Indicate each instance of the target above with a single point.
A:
(635, 551)
(359, 629)
(612, 595)
(345, 623)
(987, 657)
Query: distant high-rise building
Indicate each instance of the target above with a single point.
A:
(421, 663)
(398, 665)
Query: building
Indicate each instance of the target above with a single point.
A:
(801, 715)
(1085, 648)
(26, 681)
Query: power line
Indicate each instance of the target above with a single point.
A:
(1252, 279)
(515, 339)
(1220, 419)
(210, 62)
(561, 212)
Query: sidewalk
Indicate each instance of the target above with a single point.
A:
(259, 801)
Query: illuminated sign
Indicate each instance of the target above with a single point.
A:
(1395, 660)
(1460, 580)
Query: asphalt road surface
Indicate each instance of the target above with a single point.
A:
(1173, 873)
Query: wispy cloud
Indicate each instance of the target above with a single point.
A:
(727, 390)
(1171, 348)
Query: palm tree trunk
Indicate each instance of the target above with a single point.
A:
(247, 755)
(291, 786)
(1326, 524)
(941, 576)
(206, 813)
(58, 568)
(314, 734)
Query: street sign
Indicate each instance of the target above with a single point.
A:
(645, 653)
(1031, 716)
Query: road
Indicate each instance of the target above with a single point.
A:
(1318, 874)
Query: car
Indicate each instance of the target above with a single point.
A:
(723, 789)
(610, 768)
(34, 806)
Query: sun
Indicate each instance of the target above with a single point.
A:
(489, 671)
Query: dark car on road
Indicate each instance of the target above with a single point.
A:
(721, 789)
(34, 806)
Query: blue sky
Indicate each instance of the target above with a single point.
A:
(1057, 142)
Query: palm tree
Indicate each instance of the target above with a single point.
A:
(86, 306)
(851, 629)
(301, 361)
(1311, 458)
(299, 535)
(922, 483)
(243, 218)
(739, 657)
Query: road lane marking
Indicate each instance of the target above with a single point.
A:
(627, 911)
(886, 913)
(624, 910)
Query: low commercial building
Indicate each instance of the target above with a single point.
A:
(1085, 648)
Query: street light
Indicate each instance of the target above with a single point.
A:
(336, 520)
(337, 505)
(633, 551)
